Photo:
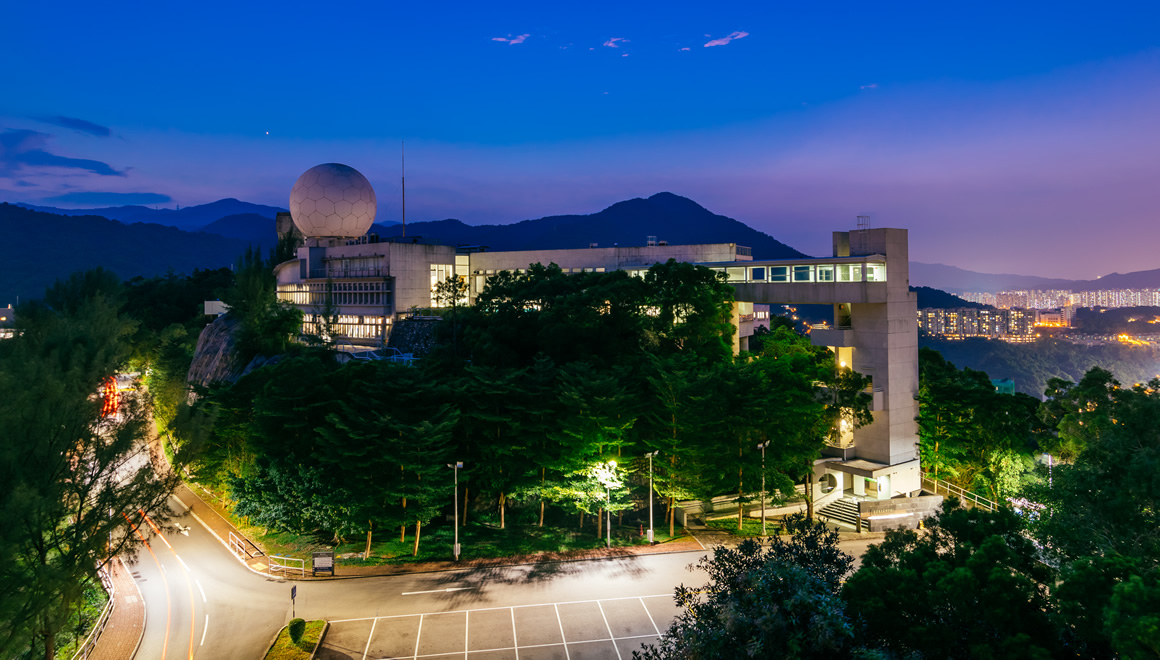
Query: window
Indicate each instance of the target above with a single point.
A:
(735, 274)
(849, 272)
(757, 274)
(803, 273)
(825, 273)
(875, 272)
(779, 273)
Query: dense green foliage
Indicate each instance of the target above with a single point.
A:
(567, 373)
(64, 466)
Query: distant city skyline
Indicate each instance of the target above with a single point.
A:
(1011, 139)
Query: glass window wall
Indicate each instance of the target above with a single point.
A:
(803, 273)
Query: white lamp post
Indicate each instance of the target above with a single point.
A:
(606, 474)
(650, 494)
(762, 447)
(455, 466)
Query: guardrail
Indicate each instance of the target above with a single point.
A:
(91, 641)
(279, 564)
(965, 495)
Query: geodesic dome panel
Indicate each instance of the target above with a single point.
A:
(333, 200)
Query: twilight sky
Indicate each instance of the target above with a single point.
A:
(1010, 137)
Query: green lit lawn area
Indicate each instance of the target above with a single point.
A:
(750, 527)
(284, 649)
(484, 541)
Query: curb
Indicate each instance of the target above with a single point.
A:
(144, 610)
(321, 637)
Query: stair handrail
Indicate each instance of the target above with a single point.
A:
(961, 493)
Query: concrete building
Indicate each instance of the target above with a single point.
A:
(370, 285)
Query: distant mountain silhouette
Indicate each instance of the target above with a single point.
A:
(251, 228)
(938, 299)
(190, 218)
(669, 217)
(44, 247)
(958, 280)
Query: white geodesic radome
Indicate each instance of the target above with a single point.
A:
(332, 200)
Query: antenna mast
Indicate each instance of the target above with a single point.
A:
(403, 179)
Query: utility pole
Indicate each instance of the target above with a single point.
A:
(650, 455)
(455, 466)
(762, 447)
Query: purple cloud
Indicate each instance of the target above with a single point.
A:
(870, 86)
(614, 42)
(78, 125)
(511, 41)
(22, 149)
(725, 40)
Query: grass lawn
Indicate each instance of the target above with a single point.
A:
(284, 649)
(479, 540)
(750, 527)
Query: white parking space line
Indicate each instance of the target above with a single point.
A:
(563, 638)
(610, 635)
(651, 620)
(418, 636)
(515, 640)
(508, 607)
(466, 627)
(369, 638)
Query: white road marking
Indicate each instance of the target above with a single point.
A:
(418, 636)
(642, 604)
(506, 607)
(563, 638)
(610, 635)
(437, 591)
(204, 630)
(162, 566)
(162, 537)
(183, 564)
(466, 627)
(369, 638)
(203, 599)
(515, 641)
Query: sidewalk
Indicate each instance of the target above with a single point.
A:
(123, 631)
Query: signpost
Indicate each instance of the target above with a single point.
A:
(324, 562)
(455, 548)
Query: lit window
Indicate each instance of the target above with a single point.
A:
(779, 274)
(803, 273)
(825, 273)
(875, 272)
(849, 272)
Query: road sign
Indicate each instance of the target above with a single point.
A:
(293, 591)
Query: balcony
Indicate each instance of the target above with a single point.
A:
(841, 336)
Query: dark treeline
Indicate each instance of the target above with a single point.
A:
(536, 388)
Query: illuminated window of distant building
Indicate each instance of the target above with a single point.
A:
(825, 273)
(803, 273)
(875, 272)
(735, 274)
(779, 274)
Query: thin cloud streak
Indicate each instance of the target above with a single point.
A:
(615, 42)
(733, 36)
(78, 125)
(511, 41)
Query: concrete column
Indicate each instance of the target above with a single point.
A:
(859, 484)
(736, 328)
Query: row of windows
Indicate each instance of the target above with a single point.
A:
(340, 293)
(348, 326)
(807, 273)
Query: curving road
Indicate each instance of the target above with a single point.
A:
(201, 602)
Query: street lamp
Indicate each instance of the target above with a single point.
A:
(762, 447)
(650, 494)
(606, 475)
(455, 466)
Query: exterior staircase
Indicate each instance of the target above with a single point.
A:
(844, 509)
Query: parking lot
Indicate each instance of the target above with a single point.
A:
(579, 630)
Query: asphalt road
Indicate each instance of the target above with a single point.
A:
(201, 602)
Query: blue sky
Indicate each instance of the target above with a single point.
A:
(1014, 137)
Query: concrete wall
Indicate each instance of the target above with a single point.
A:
(904, 512)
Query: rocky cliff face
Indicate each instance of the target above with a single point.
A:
(216, 357)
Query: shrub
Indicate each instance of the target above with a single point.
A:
(297, 628)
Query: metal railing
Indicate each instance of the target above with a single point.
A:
(965, 495)
(90, 644)
(280, 564)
